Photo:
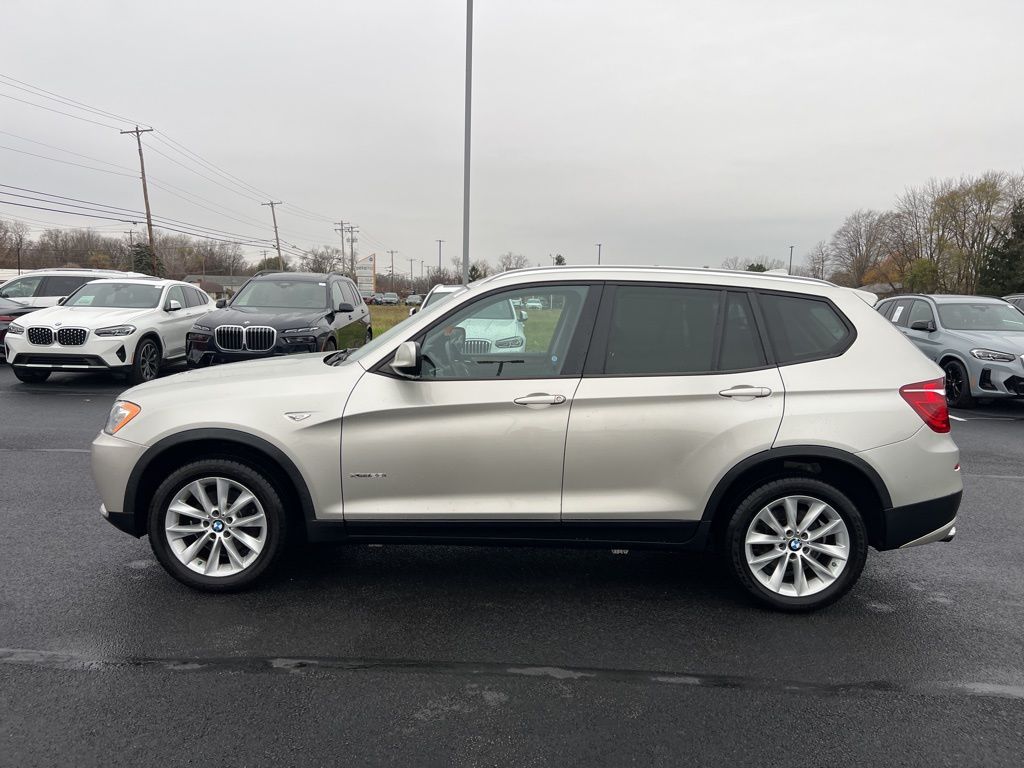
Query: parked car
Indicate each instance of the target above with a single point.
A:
(437, 293)
(281, 313)
(534, 303)
(378, 298)
(390, 298)
(1017, 299)
(45, 287)
(367, 295)
(978, 341)
(10, 311)
(132, 326)
(413, 300)
(676, 436)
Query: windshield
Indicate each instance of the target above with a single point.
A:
(437, 296)
(390, 335)
(982, 316)
(115, 295)
(282, 294)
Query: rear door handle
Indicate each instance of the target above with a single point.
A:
(540, 399)
(743, 391)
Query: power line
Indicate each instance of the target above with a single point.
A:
(68, 151)
(66, 162)
(63, 99)
(59, 112)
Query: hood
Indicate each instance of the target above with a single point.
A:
(490, 329)
(999, 341)
(86, 317)
(282, 319)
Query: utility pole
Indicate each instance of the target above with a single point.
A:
(341, 231)
(131, 237)
(439, 242)
(598, 253)
(352, 239)
(277, 239)
(145, 190)
(791, 259)
(412, 276)
(392, 253)
(465, 166)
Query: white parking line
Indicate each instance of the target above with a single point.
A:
(956, 418)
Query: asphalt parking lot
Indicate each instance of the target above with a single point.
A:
(470, 656)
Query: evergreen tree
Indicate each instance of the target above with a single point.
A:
(144, 259)
(1003, 271)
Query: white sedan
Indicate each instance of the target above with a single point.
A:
(129, 325)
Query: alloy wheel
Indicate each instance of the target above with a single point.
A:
(797, 546)
(215, 526)
(149, 361)
(954, 382)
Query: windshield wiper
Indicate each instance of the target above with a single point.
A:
(340, 356)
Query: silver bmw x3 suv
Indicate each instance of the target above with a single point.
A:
(647, 407)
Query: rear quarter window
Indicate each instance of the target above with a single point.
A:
(804, 328)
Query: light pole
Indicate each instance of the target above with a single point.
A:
(465, 168)
(598, 253)
(791, 259)
(439, 243)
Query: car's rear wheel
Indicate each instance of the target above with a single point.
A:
(958, 385)
(369, 336)
(217, 525)
(797, 544)
(146, 363)
(30, 375)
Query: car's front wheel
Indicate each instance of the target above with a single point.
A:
(958, 385)
(146, 363)
(797, 544)
(217, 525)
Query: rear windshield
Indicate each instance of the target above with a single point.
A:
(118, 295)
(982, 316)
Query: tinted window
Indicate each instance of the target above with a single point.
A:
(656, 330)
(191, 297)
(336, 296)
(900, 312)
(802, 328)
(741, 343)
(354, 298)
(920, 312)
(63, 285)
(885, 308)
(22, 289)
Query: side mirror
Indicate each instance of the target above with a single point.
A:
(173, 305)
(923, 325)
(61, 300)
(413, 311)
(221, 303)
(346, 307)
(522, 315)
(407, 360)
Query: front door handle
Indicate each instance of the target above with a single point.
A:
(743, 391)
(540, 400)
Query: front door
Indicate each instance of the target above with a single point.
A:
(480, 435)
(678, 386)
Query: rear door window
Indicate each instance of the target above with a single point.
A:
(62, 285)
(802, 328)
(741, 342)
(900, 313)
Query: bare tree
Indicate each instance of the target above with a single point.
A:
(858, 245)
(735, 262)
(509, 260)
(817, 260)
(326, 258)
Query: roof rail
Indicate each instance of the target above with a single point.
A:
(656, 268)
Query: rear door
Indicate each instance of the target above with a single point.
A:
(927, 341)
(676, 390)
(57, 287)
(174, 325)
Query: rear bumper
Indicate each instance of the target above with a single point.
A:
(921, 523)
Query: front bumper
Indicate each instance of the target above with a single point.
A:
(991, 379)
(113, 460)
(99, 353)
(201, 350)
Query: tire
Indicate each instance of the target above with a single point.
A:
(329, 345)
(369, 336)
(257, 537)
(837, 523)
(958, 385)
(30, 375)
(146, 363)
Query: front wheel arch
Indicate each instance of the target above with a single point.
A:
(177, 450)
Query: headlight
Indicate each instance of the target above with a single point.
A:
(120, 414)
(116, 330)
(993, 356)
(198, 327)
(511, 341)
(300, 330)
(15, 330)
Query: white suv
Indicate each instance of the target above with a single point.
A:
(650, 407)
(45, 287)
(128, 325)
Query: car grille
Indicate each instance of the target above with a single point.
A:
(41, 336)
(478, 346)
(60, 361)
(235, 338)
(72, 337)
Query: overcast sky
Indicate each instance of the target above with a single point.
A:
(671, 132)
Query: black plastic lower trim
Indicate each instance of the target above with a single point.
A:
(654, 534)
(902, 525)
(124, 522)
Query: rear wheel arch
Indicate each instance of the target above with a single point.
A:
(849, 474)
(186, 447)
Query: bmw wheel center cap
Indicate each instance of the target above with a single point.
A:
(218, 526)
(794, 544)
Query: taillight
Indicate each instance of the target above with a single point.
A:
(928, 399)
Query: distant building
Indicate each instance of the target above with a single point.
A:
(881, 290)
(218, 286)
